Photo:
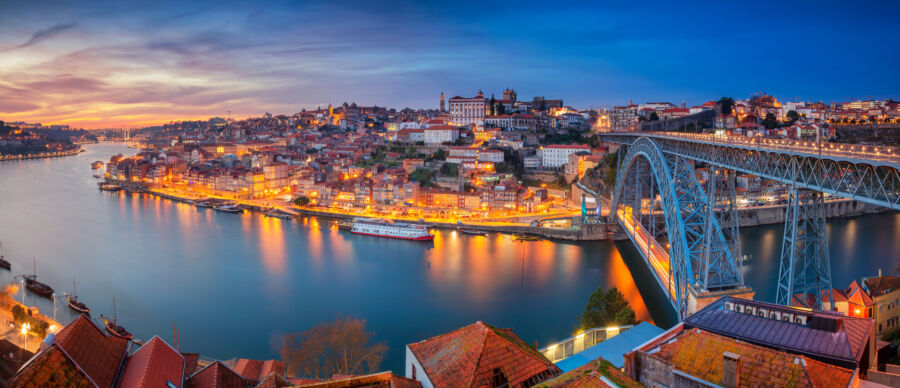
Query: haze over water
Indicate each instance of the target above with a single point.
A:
(232, 284)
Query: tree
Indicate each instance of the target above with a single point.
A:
(450, 169)
(561, 181)
(770, 122)
(792, 115)
(491, 108)
(654, 116)
(339, 347)
(301, 201)
(727, 105)
(607, 308)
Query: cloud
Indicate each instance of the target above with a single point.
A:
(47, 33)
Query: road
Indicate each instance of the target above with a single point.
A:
(655, 253)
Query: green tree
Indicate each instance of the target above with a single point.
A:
(727, 105)
(18, 313)
(770, 121)
(450, 169)
(654, 116)
(607, 308)
(302, 201)
(491, 107)
(561, 181)
(792, 115)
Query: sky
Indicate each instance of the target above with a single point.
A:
(99, 64)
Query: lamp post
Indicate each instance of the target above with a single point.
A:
(25, 327)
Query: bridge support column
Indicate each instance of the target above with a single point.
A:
(805, 268)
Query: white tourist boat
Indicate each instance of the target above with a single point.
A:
(387, 228)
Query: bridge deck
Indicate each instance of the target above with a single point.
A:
(853, 153)
(656, 256)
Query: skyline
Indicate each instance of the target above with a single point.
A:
(99, 64)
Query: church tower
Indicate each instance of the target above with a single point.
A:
(442, 101)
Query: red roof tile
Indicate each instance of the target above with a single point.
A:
(700, 354)
(51, 368)
(469, 356)
(96, 353)
(216, 375)
(154, 365)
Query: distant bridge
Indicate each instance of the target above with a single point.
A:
(699, 225)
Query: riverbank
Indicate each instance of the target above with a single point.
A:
(42, 155)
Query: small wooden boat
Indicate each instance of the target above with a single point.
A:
(279, 214)
(204, 203)
(96, 165)
(3, 263)
(525, 237)
(229, 208)
(345, 224)
(109, 187)
(74, 304)
(474, 232)
(113, 328)
(35, 286)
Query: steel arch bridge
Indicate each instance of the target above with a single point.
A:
(698, 252)
(702, 243)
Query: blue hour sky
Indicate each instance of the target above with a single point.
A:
(126, 63)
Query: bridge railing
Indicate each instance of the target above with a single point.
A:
(578, 343)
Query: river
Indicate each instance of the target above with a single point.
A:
(232, 285)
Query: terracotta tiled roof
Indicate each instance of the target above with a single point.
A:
(589, 375)
(256, 370)
(51, 368)
(469, 356)
(216, 375)
(700, 354)
(190, 363)
(154, 365)
(96, 353)
(379, 380)
(274, 381)
(855, 294)
(881, 285)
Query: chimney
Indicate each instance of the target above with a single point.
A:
(731, 369)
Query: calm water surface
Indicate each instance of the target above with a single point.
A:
(233, 284)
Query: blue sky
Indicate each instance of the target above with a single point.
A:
(98, 63)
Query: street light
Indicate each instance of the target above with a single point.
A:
(25, 327)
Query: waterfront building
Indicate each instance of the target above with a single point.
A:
(477, 355)
(885, 291)
(557, 155)
(468, 111)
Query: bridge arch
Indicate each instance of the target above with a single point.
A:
(699, 257)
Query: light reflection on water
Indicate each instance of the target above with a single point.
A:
(231, 283)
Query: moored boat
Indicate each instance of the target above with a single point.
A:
(3, 263)
(229, 207)
(525, 237)
(390, 229)
(117, 330)
(204, 203)
(96, 165)
(74, 304)
(109, 187)
(474, 232)
(279, 214)
(35, 286)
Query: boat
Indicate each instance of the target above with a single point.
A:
(3, 263)
(109, 187)
(74, 304)
(525, 237)
(279, 214)
(35, 286)
(204, 203)
(345, 225)
(386, 228)
(229, 207)
(113, 328)
(96, 165)
(474, 232)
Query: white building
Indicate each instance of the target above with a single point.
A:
(495, 156)
(532, 162)
(556, 155)
(441, 133)
(466, 111)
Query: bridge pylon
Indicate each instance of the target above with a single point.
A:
(805, 268)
